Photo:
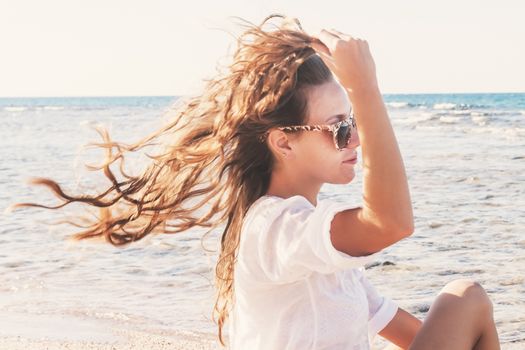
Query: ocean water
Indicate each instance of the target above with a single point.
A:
(465, 159)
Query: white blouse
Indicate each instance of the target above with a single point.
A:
(294, 290)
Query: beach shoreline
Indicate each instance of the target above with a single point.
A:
(136, 339)
(128, 339)
(60, 331)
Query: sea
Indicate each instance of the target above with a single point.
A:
(464, 156)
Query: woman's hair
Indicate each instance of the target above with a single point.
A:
(214, 158)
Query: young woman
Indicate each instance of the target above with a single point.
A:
(254, 150)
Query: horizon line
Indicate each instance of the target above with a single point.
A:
(161, 95)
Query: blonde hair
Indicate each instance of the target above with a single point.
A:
(216, 157)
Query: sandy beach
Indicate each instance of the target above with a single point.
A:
(124, 340)
(52, 331)
(133, 340)
(61, 332)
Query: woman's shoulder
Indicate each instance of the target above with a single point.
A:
(268, 208)
(269, 203)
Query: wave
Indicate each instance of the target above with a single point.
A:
(444, 106)
(15, 109)
(450, 119)
(479, 120)
(477, 113)
(398, 104)
(457, 106)
(404, 104)
(509, 133)
(32, 108)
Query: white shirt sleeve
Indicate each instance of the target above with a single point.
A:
(295, 240)
(381, 309)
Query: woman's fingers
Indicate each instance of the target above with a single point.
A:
(322, 50)
(329, 39)
(328, 60)
(341, 35)
(347, 57)
(330, 32)
(320, 47)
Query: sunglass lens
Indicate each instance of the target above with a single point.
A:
(343, 135)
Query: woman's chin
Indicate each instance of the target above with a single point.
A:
(345, 178)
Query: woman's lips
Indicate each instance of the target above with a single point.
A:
(351, 161)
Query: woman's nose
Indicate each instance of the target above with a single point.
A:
(354, 140)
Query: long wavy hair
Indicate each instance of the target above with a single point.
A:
(214, 157)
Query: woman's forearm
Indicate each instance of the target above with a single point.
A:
(386, 197)
(385, 189)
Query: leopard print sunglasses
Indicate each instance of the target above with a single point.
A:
(342, 131)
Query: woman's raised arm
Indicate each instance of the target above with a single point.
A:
(386, 216)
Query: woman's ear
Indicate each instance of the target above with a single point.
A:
(279, 143)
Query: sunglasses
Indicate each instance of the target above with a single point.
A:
(341, 131)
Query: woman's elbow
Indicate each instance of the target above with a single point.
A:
(406, 230)
(405, 224)
(400, 228)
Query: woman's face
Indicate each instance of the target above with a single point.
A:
(315, 153)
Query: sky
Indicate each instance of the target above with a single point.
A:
(161, 47)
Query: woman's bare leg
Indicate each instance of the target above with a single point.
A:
(459, 319)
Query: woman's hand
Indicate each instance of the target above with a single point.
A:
(348, 58)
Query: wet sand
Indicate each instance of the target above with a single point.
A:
(127, 340)
(39, 331)
(134, 340)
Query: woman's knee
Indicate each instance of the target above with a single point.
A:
(471, 292)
